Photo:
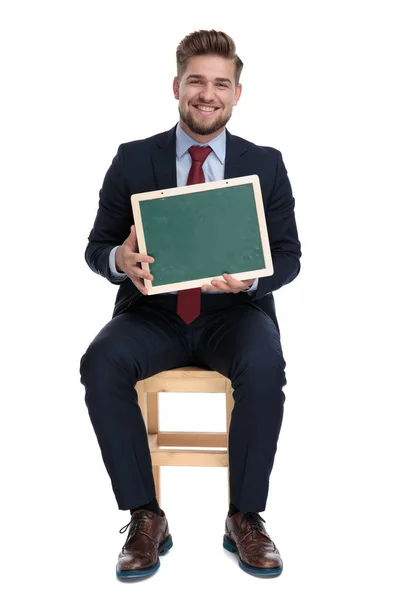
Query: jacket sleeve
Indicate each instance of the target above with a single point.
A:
(113, 220)
(282, 234)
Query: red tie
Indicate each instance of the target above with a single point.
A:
(188, 305)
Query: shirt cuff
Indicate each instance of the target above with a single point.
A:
(253, 287)
(113, 266)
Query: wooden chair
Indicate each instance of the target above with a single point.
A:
(184, 379)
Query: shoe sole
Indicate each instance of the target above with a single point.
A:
(163, 549)
(231, 547)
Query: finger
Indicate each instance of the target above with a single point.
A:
(144, 258)
(235, 284)
(229, 285)
(217, 286)
(138, 272)
(139, 284)
(221, 284)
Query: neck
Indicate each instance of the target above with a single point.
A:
(202, 139)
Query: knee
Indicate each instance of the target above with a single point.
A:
(269, 357)
(90, 361)
(268, 366)
(102, 356)
(110, 357)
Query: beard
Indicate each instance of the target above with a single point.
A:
(202, 128)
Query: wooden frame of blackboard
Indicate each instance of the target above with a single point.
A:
(137, 199)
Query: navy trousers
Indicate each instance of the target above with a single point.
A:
(231, 336)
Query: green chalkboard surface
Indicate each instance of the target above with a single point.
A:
(195, 233)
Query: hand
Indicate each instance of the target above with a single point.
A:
(230, 285)
(127, 261)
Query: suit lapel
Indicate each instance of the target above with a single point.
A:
(164, 160)
(236, 164)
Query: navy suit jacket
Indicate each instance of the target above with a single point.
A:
(150, 164)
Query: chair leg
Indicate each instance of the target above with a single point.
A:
(148, 403)
(229, 407)
(142, 401)
(157, 483)
(154, 427)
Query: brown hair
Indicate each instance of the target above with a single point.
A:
(207, 42)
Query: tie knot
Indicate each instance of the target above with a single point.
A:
(199, 153)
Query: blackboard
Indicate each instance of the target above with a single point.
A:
(197, 232)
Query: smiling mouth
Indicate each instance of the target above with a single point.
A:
(206, 110)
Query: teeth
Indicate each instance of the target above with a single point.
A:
(206, 108)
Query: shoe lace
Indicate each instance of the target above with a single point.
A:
(137, 523)
(254, 520)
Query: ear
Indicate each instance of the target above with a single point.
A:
(238, 93)
(175, 87)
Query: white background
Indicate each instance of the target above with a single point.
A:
(319, 83)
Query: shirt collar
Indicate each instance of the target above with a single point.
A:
(184, 141)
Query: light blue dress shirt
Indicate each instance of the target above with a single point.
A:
(214, 169)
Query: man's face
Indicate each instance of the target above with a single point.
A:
(207, 95)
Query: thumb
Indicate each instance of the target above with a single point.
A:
(132, 239)
(132, 235)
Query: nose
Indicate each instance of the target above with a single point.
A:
(207, 92)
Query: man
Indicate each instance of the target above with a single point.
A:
(231, 327)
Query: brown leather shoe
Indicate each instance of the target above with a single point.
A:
(258, 555)
(148, 538)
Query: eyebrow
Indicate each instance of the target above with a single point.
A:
(222, 79)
